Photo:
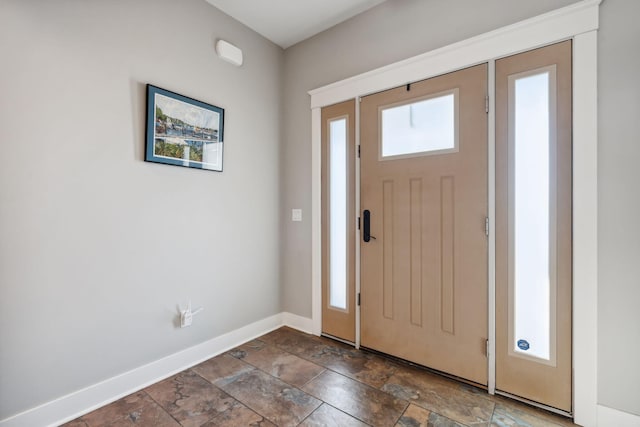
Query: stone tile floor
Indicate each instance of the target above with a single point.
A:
(288, 378)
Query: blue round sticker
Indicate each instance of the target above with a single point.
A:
(523, 345)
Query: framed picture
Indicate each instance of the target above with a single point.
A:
(182, 131)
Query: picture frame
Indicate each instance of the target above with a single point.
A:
(182, 131)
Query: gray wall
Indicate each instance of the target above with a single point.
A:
(399, 29)
(619, 206)
(97, 247)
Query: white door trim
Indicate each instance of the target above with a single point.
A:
(585, 228)
(579, 22)
(491, 249)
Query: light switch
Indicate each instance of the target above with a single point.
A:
(296, 214)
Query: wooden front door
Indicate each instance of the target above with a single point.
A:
(424, 207)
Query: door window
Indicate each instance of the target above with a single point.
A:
(424, 126)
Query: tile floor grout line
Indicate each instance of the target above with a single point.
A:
(454, 421)
(493, 411)
(346, 413)
(294, 354)
(229, 394)
(320, 373)
(162, 407)
(311, 413)
(419, 405)
(248, 405)
(245, 404)
(331, 369)
(324, 369)
(158, 403)
(220, 414)
(402, 413)
(366, 385)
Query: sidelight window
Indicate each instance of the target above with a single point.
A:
(532, 107)
(338, 213)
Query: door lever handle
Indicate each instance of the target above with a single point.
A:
(366, 232)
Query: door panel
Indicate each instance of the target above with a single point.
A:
(338, 221)
(533, 225)
(424, 276)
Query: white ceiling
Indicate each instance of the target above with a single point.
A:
(286, 22)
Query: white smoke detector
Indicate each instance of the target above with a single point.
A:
(229, 52)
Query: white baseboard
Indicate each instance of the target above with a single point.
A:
(303, 324)
(609, 417)
(71, 406)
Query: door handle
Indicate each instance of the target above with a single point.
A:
(366, 228)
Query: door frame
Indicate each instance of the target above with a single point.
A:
(578, 22)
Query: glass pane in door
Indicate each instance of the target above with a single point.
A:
(531, 215)
(338, 213)
(428, 125)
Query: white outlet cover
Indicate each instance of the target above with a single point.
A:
(186, 319)
(296, 215)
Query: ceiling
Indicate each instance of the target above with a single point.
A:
(286, 22)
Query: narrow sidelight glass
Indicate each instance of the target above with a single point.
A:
(532, 214)
(338, 213)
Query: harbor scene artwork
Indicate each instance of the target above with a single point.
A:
(182, 131)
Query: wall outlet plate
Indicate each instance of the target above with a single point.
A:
(186, 318)
(296, 215)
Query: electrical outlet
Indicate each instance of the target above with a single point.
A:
(186, 318)
(186, 315)
(296, 215)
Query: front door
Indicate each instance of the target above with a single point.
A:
(424, 207)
